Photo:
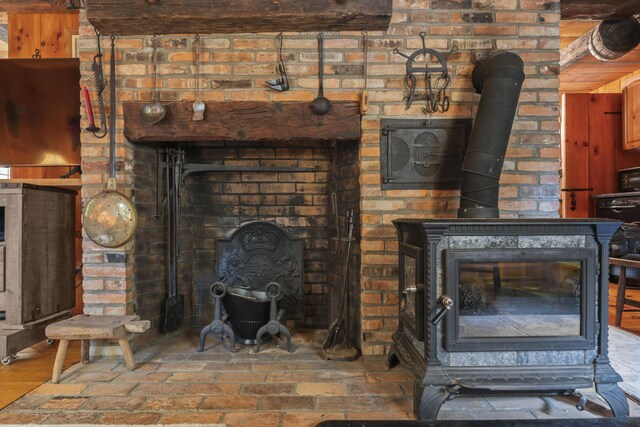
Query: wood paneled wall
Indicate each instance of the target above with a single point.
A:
(616, 86)
(592, 149)
(50, 33)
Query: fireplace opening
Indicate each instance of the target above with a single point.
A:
(285, 184)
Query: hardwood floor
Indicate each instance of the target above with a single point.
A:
(32, 368)
(631, 316)
(35, 363)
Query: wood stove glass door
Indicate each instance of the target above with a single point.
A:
(518, 297)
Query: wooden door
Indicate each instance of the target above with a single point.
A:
(631, 116)
(575, 156)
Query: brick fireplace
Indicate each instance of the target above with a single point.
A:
(133, 278)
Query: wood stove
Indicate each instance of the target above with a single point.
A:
(501, 305)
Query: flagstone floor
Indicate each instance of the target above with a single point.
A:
(175, 384)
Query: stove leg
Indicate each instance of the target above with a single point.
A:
(606, 381)
(615, 397)
(428, 399)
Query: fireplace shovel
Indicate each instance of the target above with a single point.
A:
(175, 303)
(337, 345)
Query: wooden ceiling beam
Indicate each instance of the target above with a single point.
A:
(607, 41)
(598, 9)
(36, 6)
(126, 17)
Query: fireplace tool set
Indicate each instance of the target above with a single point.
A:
(337, 344)
(174, 306)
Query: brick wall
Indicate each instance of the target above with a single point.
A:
(236, 66)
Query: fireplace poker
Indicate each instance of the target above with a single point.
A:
(334, 202)
(174, 313)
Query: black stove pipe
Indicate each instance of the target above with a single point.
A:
(499, 79)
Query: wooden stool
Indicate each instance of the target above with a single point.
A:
(621, 299)
(87, 327)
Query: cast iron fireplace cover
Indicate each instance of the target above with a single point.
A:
(261, 252)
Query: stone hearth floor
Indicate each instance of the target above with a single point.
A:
(174, 384)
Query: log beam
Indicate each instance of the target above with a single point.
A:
(246, 121)
(598, 9)
(609, 40)
(36, 6)
(126, 17)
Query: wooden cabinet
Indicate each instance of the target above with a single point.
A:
(631, 116)
(591, 150)
(37, 253)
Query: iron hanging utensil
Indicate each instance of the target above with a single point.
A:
(174, 310)
(110, 218)
(154, 112)
(364, 96)
(411, 70)
(98, 82)
(321, 105)
(281, 84)
(198, 105)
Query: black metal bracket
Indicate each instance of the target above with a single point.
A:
(572, 196)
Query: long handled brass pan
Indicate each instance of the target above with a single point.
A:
(110, 218)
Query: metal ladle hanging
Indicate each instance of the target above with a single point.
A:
(198, 105)
(154, 112)
(321, 105)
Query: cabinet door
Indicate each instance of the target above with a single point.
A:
(631, 116)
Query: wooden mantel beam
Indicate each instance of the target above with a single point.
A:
(36, 6)
(246, 121)
(127, 17)
(598, 9)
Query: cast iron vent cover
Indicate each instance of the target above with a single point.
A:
(415, 156)
(261, 252)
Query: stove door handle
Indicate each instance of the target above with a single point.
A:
(447, 304)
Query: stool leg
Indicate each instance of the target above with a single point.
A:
(57, 364)
(622, 284)
(129, 360)
(84, 351)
